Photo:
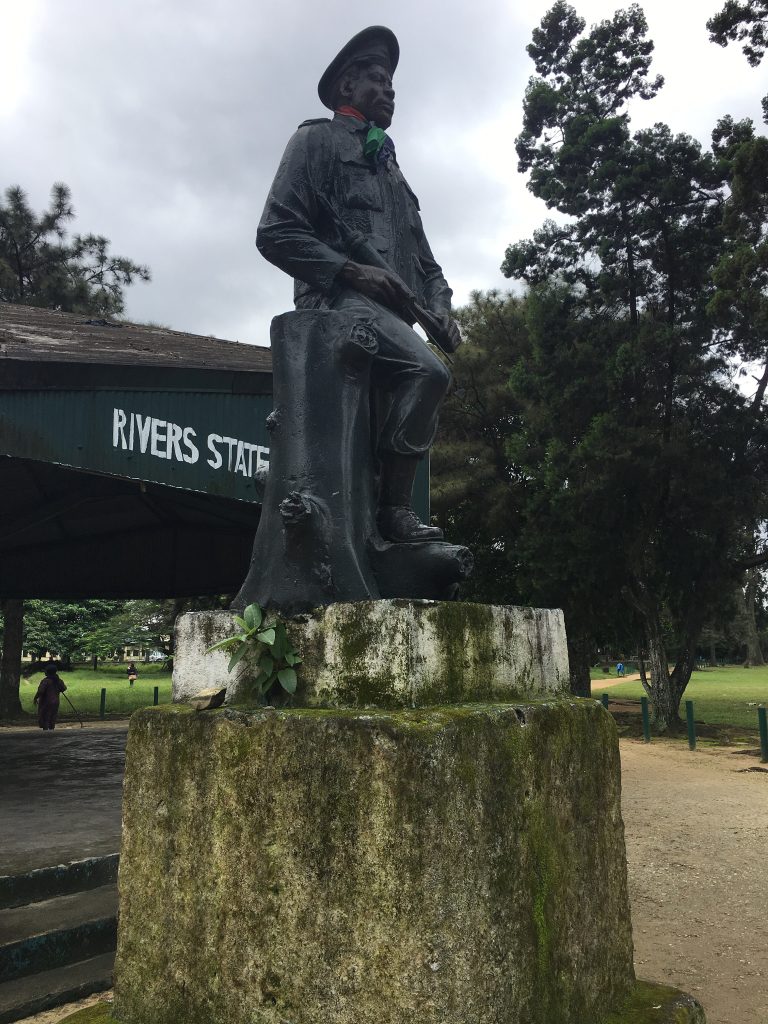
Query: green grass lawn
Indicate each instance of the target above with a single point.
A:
(84, 690)
(721, 696)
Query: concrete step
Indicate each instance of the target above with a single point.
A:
(35, 993)
(44, 883)
(51, 933)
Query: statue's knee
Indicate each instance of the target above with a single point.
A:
(439, 376)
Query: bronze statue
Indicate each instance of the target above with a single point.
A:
(342, 220)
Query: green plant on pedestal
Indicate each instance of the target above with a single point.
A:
(266, 642)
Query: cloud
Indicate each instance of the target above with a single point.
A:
(168, 121)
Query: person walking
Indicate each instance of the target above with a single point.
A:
(133, 674)
(47, 698)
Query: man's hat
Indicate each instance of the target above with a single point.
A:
(372, 44)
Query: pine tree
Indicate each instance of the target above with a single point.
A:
(40, 266)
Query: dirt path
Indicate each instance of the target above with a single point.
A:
(697, 842)
(600, 684)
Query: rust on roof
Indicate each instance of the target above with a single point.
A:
(41, 335)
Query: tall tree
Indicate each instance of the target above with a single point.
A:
(675, 443)
(41, 266)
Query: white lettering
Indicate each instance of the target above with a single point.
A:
(213, 440)
(230, 442)
(192, 454)
(166, 440)
(119, 420)
(174, 436)
(159, 437)
(143, 425)
(240, 466)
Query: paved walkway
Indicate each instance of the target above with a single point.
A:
(60, 795)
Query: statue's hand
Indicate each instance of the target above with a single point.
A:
(379, 285)
(451, 335)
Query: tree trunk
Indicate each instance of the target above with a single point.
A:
(754, 653)
(659, 685)
(661, 695)
(580, 651)
(712, 656)
(95, 662)
(10, 666)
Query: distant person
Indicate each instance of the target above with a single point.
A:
(619, 668)
(133, 674)
(47, 698)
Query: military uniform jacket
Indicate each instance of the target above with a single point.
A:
(299, 236)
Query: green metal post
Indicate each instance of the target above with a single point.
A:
(646, 719)
(156, 701)
(691, 724)
(762, 721)
(604, 700)
(103, 705)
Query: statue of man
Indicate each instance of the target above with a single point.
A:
(339, 193)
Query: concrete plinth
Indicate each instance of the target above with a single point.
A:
(460, 865)
(393, 653)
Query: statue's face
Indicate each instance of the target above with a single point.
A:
(371, 92)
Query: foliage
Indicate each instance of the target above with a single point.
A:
(40, 266)
(474, 482)
(630, 417)
(64, 627)
(266, 641)
(744, 21)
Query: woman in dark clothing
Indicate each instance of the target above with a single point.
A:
(47, 698)
(133, 675)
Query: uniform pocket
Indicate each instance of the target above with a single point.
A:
(361, 189)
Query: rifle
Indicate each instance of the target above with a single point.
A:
(361, 250)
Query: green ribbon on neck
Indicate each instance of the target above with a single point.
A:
(378, 145)
(374, 141)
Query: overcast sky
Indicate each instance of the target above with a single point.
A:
(167, 119)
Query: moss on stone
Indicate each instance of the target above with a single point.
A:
(658, 1004)
(99, 1013)
(458, 863)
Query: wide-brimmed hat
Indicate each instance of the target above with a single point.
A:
(376, 43)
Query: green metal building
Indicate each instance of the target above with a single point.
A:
(131, 458)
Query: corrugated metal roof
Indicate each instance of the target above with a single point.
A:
(41, 335)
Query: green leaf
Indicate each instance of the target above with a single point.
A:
(290, 658)
(241, 623)
(223, 643)
(266, 664)
(267, 636)
(253, 616)
(288, 680)
(242, 649)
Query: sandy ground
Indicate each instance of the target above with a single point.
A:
(697, 843)
(697, 839)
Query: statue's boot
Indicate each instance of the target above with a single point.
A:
(396, 520)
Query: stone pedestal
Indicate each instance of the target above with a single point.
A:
(430, 834)
(393, 654)
(461, 865)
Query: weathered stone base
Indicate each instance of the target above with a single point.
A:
(647, 1004)
(460, 865)
(393, 653)
(658, 1004)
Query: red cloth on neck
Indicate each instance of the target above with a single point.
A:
(350, 112)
